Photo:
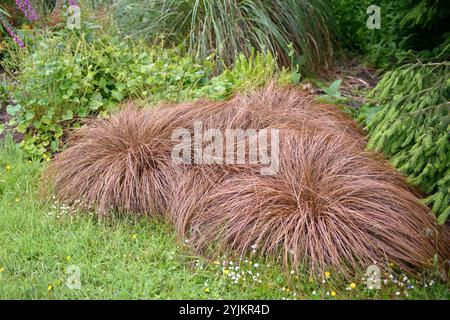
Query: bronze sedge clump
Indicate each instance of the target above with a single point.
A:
(119, 163)
(115, 164)
(269, 106)
(330, 204)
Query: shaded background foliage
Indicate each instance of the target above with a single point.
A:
(409, 28)
(297, 32)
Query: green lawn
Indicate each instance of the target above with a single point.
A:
(120, 258)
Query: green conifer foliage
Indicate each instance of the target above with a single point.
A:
(413, 128)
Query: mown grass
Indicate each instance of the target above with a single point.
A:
(124, 258)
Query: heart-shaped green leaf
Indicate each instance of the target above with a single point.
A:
(12, 110)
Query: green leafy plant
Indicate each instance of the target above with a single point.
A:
(413, 128)
(332, 91)
(231, 27)
(68, 77)
(247, 73)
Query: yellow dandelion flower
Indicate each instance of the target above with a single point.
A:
(49, 287)
(333, 293)
(134, 236)
(226, 271)
(68, 258)
(206, 290)
(8, 168)
(327, 274)
(2, 269)
(352, 285)
(17, 199)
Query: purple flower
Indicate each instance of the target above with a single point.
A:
(32, 15)
(21, 6)
(10, 30)
(27, 9)
(72, 2)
